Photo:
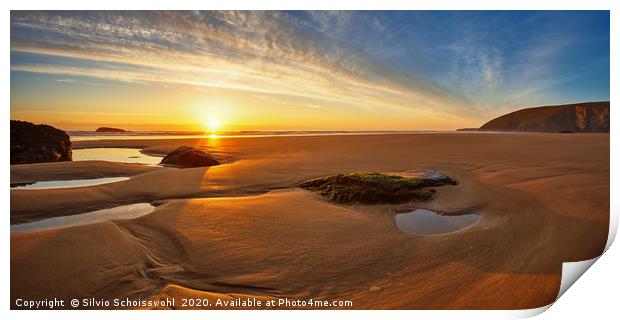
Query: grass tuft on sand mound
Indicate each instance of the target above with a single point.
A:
(374, 188)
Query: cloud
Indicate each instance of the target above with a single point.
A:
(74, 81)
(475, 64)
(264, 52)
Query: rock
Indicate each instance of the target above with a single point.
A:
(32, 143)
(108, 129)
(188, 157)
(433, 178)
(580, 117)
(21, 184)
(374, 288)
(377, 188)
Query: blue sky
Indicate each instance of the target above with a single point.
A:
(440, 70)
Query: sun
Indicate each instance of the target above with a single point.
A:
(212, 124)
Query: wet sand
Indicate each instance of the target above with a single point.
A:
(242, 229)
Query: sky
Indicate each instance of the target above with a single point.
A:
(301, 70)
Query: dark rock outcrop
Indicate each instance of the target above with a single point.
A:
(31, 143)
(108, 129)
(188, 157)
(579, 117)
(377, 188)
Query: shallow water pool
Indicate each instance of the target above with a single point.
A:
(126, 155)
(426, 222)
(130, 211)
(60, 184)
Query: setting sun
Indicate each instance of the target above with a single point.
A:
(212, 124)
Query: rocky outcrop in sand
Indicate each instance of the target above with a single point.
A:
(108, 129)
(188, 157)
(376, 188)
(579, 117)
(31, 143)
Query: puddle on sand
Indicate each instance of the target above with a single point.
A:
(59, 184)
(130, 211)
(126, 155)
(425, 222)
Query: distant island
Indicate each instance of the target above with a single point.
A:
(108, 129)
(568, 118)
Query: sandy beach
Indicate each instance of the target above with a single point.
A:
(242, 229)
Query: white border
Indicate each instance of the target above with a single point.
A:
(596, 296)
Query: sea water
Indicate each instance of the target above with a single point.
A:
(426, 222)
(129, 211)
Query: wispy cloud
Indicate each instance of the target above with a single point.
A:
(310, 58)
(264, 52)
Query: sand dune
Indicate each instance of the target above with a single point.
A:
(242, 229)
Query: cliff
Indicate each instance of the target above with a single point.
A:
(578, 117)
